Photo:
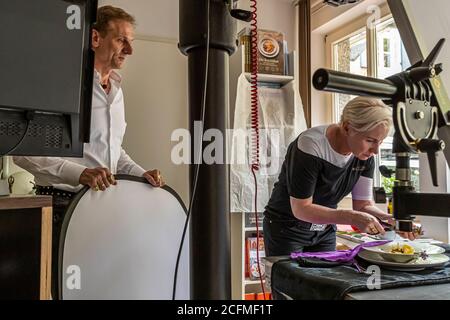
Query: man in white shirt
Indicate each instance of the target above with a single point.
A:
(112, 38)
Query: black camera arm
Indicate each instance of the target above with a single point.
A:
(420, 107)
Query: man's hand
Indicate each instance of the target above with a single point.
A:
(154, 177)
(97, 179)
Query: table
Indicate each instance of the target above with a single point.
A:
(423, 292)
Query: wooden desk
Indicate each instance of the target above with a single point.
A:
(25, 247)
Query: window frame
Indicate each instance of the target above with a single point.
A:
(350, 29)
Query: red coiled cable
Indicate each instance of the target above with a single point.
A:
(255, 122)
(254, 88)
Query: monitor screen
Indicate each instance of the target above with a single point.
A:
(46, 64)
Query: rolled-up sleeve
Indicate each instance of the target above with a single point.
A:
(126, 165)
(52, 170)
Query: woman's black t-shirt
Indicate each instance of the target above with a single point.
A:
(313, 169)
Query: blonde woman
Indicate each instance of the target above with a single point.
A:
(321, 167)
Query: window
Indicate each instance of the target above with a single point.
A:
(391, 59)
(349, 55)
(386, 45)
(387, 52)
(391, 54)
(375, 52)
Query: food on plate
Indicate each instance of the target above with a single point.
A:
(402, 249)
(341, 246)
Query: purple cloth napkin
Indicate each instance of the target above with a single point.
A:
(344, 256)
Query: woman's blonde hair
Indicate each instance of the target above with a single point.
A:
(364, 114)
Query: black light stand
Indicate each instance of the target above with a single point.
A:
(210, 220)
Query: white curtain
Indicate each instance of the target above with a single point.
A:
(281, 120)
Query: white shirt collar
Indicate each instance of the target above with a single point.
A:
(114, 75)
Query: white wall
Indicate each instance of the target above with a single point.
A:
(155, 89)
(156, 18)
(320, 110)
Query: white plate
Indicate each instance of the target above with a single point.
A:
(385, 251)
(433, 261)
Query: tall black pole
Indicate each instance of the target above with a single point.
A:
(210, 222)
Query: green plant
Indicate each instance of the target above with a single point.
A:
(387, 184)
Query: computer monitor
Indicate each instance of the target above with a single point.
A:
(46, 76)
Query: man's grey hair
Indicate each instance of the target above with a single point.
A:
(106, 14)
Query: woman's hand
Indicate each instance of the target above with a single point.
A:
(407, 235)
(417, 230)
(366, 223)
(385, 217)
(413, 235)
